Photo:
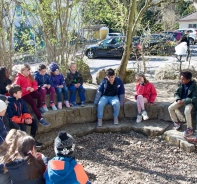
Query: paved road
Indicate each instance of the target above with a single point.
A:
(152, 62)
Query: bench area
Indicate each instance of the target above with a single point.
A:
(81, 121)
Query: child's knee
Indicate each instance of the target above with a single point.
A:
(139, 97)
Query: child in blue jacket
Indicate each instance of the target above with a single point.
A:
(63, 169)
(59, 85)
(45, 86)
(111, 91)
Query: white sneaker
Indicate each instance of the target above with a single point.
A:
(144, 115)
(139, 119)
(99, 123)
(116, 121)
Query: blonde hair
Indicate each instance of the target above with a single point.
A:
(8, 149)
(24, 67)
(72, 63)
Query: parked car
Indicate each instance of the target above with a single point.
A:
(157, 44)
(192, 34)
(111, 47)
(109, 35)
(173, 34)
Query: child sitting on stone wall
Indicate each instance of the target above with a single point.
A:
(74, 81)
(59, 85)
(45, 86)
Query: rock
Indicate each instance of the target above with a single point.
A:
(100, 76)
(176, 138)
(130, 76)
(84, 69)
(171, 71)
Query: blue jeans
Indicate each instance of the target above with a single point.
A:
(59, 92)
(73, 91)
(112, 100)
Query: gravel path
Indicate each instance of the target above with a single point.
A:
(133, 158)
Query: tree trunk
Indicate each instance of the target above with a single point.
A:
(128, 43)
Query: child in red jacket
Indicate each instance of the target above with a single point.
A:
(29, 92)
(146, 92)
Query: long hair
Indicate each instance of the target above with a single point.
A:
(142, 75)
(36, 166)
(2, 73)
(24, 67)
(8, 149)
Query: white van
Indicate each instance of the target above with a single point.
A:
(192, 34)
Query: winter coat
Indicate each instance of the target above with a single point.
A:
(17, 110)
(42, 79)
(57, 80)
(72, 79)
(3, 85)
(3, 131)
(65, 170)
(19, 172)
(191, 96)
(147, 90)
(25, 82)
(120, 90)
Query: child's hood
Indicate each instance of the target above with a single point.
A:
(36, 73)
(60, 174)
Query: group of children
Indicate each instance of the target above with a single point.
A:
(62, 168)
(20, 163)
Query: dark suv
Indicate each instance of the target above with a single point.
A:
(111, 47)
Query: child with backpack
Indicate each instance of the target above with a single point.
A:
(59, 85)
(63, 168)
(29, 92)
(45, 86)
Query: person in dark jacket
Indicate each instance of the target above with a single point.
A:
(185, 38)
(111, 91)
(45, 86)
(4, 78)
(74, 81)
(59, 85)
(18, 112)
(185, 95)
(25, 165)
(63, 168)
(3, 131)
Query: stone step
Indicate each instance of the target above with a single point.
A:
(89, 114)
(176, 138)
(149, 128)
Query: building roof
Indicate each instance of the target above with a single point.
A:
(191, 17)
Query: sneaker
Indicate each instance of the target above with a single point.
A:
(41, 109)
(59, 105)
(99, 123)
(45, 108)
(116, 121)
(144, 115)
(73, 104)
(139, 118)
(43, 122)
(38, 144)
(83, 104)
(177, 125)
(54, 108)
(188, 132)
(66, 103)
(191, 139)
